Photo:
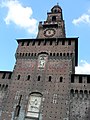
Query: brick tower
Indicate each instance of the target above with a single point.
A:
(43, 84)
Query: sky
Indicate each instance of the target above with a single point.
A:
(20, 18)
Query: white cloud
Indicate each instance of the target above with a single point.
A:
(20, 16)
(84, 18)
(83, 68)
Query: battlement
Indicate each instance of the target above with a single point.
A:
(53, 46)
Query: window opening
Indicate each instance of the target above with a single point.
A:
(39, 78)
(9, 77)
(26, 54)
(67, 54)
(32, 54)
(29, 54)
(3, 75)
(23, 54)
(69, 42)
(72, 79)
(60, 54)
(28, 78)
(39, 42)
(54, 18)
(6, 87)
(22, 44)
(18, 77)
(53, 54)
(63, 42)
(45, 42)
(61, 79)
(28, 43)
(63, 54)
(50, 78)
(50, 54)
(50, 42)
(72, 92)
(33, 43)
(57, 54)
(35, 54)
(20, 54)
(80, 79)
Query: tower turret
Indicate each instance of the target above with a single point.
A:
(54, 25)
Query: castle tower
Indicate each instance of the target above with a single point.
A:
(43, 84)
(54, 26)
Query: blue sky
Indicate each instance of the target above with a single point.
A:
(19, 19)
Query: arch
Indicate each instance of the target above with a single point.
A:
(50, 78)
(54, 18)
(29, 54)
(85, 93)
(20, 54)
(35, 54)
(6, 87)
(4, 75)
(42, 53)
(3, 86)
(50, 54)
(23, 54)
(72, 93)
(76, 91)
(81, 93)
(64, 54)
(53, 54)
(39, 77)
(57, 54)
(34, 104)
(28, 77)
(71, 54)
(60, 54)
(18, 77)
(39, 93)
(26, 54)
(28, 43)
(61, 79)
(68, 54)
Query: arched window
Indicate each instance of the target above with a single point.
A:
(61, 79)
(50, 78)
(18, 77)
(28, 77)
(33, 108)
(72, 93)
(39, 78)
(81, 93)
(54, 18)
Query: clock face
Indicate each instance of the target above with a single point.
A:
(49, 32)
